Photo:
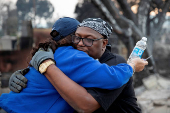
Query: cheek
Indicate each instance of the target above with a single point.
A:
(94, 52)
(91, 52)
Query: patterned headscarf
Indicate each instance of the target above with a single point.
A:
(98, 25)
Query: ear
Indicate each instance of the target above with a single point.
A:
(105, 42)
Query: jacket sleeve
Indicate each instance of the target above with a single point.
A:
(105, 97)
(91, 73)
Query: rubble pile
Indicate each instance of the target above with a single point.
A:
(154, 95)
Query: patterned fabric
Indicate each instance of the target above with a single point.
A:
(98, 25)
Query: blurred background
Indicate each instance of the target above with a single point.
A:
(25, 23)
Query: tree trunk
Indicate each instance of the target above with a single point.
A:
(127, 12)
(122, 26)
(157, 28)
(142, 15)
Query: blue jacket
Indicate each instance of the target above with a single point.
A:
(41, 97)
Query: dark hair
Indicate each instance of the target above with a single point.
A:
(67, 41)
(105, 37)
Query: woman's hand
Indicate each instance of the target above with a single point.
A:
(40, 56)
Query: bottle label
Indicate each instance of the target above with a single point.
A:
(137, 52)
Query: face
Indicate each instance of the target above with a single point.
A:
(98, 47)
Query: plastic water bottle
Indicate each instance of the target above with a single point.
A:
(138, 49)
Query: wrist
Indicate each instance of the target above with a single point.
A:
(50, 68)
(132, 64)
(44, 65)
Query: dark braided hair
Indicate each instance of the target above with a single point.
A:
(67, 41)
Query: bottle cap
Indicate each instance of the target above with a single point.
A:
(144, 38)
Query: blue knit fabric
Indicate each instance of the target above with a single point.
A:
(41, 97)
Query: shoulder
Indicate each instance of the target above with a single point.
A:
(119, 58)
(65, 50)
(71, 56)
(114, 59)
(111, 58)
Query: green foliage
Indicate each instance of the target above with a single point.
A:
(27, 9)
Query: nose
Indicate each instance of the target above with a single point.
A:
(81, 43)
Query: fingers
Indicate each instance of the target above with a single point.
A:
(140, 65)
(146, 62)
(20, 80)
(49, 49)
(41, 49)
(25, 71)
(139, 61)
(135, 60)
(15, 88)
